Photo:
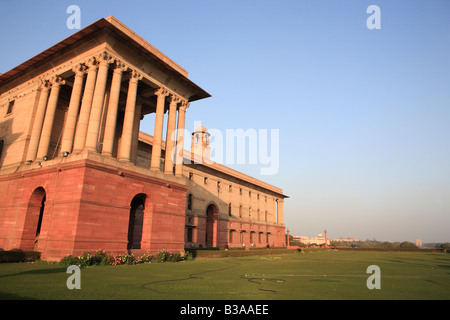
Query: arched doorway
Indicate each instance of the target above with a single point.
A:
(136, 222)
(212, 214)
(33, 220)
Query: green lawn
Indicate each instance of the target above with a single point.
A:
(312, 275)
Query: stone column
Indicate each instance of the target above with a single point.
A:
(85, 111)
(275, 211)
(215, 232)
(97, 103)
(47, 127)
(74, 105)
(111, 118)
(180, 138)
(280, 211)
(38, 121)
(136, 126)
(287, 238)
(128, 121)
(170, 137)
(155, 163)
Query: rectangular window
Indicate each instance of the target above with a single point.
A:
(189, 234)
(10, 107)
(2, 143)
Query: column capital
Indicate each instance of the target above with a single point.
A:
(79, 69)
(104, 58)
(44, 84)
(91, 63)
(174, 98)
(162, 92)
(184, 105)
(57, 80)
(135, 76)
(119, 66)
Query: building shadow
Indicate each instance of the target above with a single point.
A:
(7, 138)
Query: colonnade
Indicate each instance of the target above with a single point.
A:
(82, 127)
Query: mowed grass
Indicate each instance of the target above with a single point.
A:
(314, 275)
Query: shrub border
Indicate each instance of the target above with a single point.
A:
(16, 255)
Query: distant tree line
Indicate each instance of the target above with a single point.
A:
(388, 244)
(376, 244)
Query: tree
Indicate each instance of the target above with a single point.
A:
(387, 244)
(407, 245)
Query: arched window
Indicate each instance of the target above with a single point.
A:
(240, 211)
(229, 209)
(136, 222)
(33, 220)
(212, 214)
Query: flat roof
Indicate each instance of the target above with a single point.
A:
(121, 30)
(148, 139)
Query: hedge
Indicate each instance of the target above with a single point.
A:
(234, 252)
(19, 256)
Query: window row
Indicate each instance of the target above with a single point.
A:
(230, 210)
(230, 187)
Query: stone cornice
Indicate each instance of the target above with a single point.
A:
(87, 163)
(84, 63)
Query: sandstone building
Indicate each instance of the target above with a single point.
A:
(77, 175)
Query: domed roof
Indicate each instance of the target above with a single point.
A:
(201, 129)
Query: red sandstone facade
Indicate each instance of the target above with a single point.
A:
(71, 184)
(87, 208)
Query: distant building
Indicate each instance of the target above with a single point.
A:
(318, 240)
(345, 240)
(419, 243)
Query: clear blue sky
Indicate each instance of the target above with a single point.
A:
(363, 115)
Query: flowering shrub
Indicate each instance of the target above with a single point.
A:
(104, 258)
